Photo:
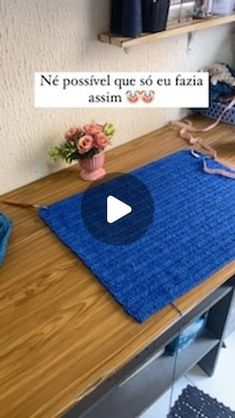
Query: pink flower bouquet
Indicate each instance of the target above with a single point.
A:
(83, 143)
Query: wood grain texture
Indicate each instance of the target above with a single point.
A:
(61, 333)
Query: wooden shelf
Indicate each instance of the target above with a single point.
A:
(172, 30)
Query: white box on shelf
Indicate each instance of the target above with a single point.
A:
(210, 6)
(223, 7)
(203, 8)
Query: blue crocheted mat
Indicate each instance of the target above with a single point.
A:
(192, 236)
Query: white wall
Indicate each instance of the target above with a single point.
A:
(61, 35)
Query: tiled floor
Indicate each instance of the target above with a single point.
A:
(220, 385)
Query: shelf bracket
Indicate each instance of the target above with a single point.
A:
(191, 36)
(126, 50)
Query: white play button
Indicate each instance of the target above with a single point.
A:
(116, 209)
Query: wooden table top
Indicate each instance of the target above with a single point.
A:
(61, 333)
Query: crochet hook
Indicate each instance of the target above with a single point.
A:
(24, 205)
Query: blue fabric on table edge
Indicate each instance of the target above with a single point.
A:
(5, 232)
(191, 237)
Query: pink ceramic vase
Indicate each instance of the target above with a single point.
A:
(92, 168)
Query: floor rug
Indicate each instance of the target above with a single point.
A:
(192, 236)
(194, 403)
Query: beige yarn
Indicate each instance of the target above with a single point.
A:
(219, 72)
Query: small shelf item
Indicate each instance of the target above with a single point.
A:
(181, 11)
(133, 17)
(155, 15)
(126, 17)
(171, 31)
(203, 8)
(223, 6)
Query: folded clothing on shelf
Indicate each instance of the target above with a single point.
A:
(132, 17)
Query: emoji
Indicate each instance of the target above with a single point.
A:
(148, 96)
(133, 96)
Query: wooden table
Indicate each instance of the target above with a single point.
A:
(61, 333)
